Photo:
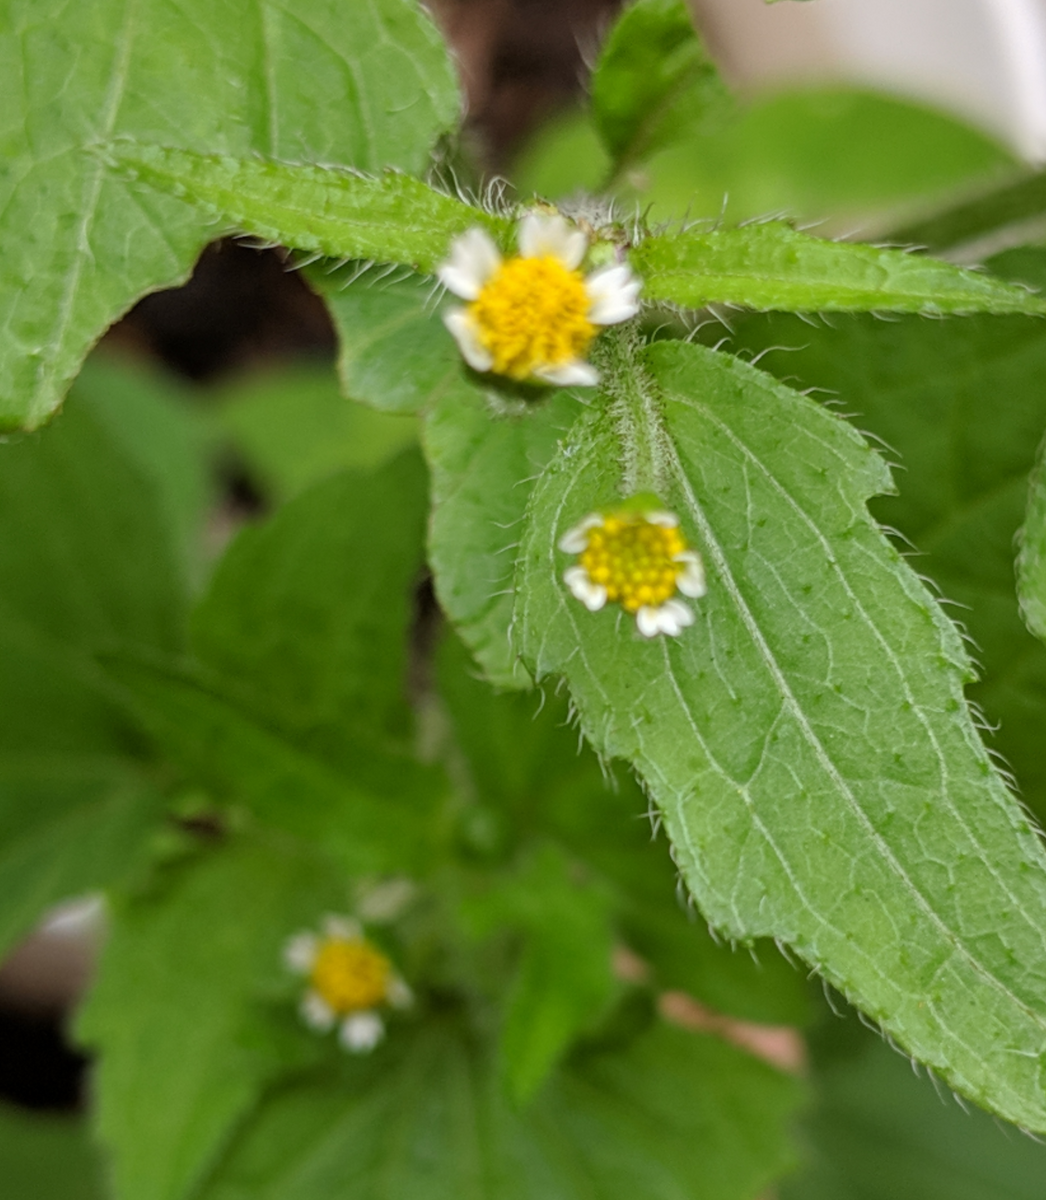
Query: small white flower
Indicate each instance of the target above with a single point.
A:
(533, 316)
(349, 978)
(638, 557)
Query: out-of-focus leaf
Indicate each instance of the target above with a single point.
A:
(307, 615)
(671, 1115)
(807, 739)
(295, 428)
(881, 1131)
(67, 826)
(1031, 562)
(85, 549)
(366, 86)
(1005, 217)
(563, 982)
(390, 218)
(190, 1012)
(154, 423)
(48, 1157)
(773, 266)
(564, 155)
(654, 81)
(821, 153)
(394, 353)
(369, 810)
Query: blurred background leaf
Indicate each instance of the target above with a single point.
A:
(46, 1157)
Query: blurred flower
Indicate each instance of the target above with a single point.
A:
(533, 316)
(349, 981)
(637, 557)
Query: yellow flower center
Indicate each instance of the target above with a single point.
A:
(533, 312)
(350, 975)
(634, 560)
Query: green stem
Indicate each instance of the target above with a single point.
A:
(635, 408)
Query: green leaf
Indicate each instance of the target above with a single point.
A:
(152, 421)
(1031, 562)
(880, 1132)
(672, 1115)
(67, 826)
(563, 982)
(1009, 216)
(807, 741)
(307, 615)
(772, 266)
(191, 1013)
(365, 86)
(925, 389)
(839, 153)
(483, 468)
(295, 428)
(394, 353)
(564, 155)
(48, 1157)
(390, 218)
(653, 81)
(370, 810)
(484, 448)
(85, 556)
(532, 779)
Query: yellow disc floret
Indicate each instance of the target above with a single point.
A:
(350, 974)
(532, 313)
(635, 561)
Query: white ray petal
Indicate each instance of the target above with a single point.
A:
(675, 616)
(613, 294)
(541, 234)
(316, 1012)
(576, 537)
(299, 952)
(463, 330)
(473, 260)
(671, 618)
(361, 1032)
(399, 994)
(576, 373)
(691, 580)
(346, 929)
(658, 517)
(592, 595)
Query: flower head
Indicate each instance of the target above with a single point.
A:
(637, 556)
(349, 980)
(533, 316)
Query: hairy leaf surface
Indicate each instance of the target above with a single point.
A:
(671, 1115)
(772, 266)
(366, 86)
(962, 405)
(807, 739)
(390, 218)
